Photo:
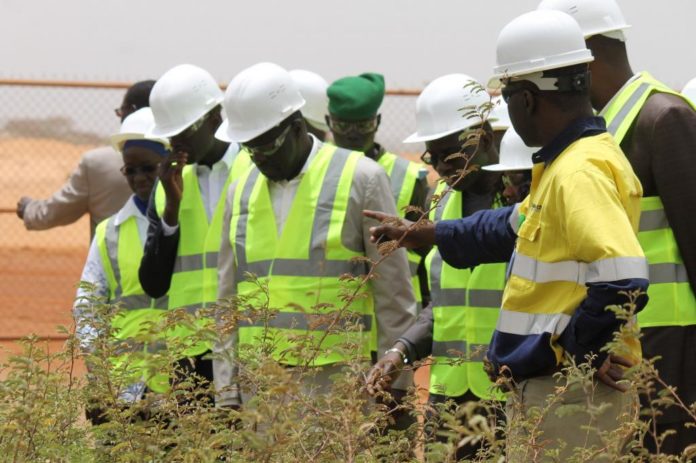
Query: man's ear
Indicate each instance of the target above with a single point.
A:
(530, 102)
(379, 120)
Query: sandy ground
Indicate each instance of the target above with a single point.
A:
(38, 270)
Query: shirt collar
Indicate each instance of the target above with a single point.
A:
(616, 95)
(316, 146)
(127, 211)
(581, 128)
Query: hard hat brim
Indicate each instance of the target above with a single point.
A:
(221, 132)
(118, 139)
(415, 137)
(504, 167)
(589, 34)
(521, 69)
(159, 131)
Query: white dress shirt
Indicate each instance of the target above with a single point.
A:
(283, 192)
(94, 273)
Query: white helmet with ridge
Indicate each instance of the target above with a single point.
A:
(689, 90)
(499, 114)
(595, 17)
(313, 89)
(514, 154)
(442, 107)
(258, 99)
(182, 96)
(136, 126)
(535, 42)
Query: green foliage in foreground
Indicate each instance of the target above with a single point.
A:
(42, 404)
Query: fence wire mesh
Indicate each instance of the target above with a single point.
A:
(44, 130)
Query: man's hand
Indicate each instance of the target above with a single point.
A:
(383, 373)
(612, 371)
(393, 228)
(173, 184)
(22, 205)
(489, 368)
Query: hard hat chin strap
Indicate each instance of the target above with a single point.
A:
(569, 83)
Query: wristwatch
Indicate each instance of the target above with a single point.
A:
(404, 359)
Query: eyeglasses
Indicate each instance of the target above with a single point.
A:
(270, 148)
(431, 159)
(146, 169)
(345, 127)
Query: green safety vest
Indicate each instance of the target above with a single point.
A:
(403, 176)
(302, 267)
(465, 311)
(671, 300)
(121, 250)
(194, 280)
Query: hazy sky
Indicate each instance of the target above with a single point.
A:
(410, 41)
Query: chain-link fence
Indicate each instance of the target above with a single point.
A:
(45, 127)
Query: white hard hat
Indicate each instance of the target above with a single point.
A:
(595, 17)
(514, 154)
(689, 90)
(499, 114)
(180, 97)
(442, 106)
(257, 99)
(136, 126)
(313, 89)
(538, 41)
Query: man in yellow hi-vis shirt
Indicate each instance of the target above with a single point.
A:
(571, 243)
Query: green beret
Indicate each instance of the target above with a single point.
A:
(356, 98)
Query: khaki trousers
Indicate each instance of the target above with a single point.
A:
(547, 421)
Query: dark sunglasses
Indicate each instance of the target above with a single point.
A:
(147, 169)
(345, 127)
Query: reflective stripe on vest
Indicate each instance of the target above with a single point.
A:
(121, 251)
(194, 280)
(671, 299)
(463, 316)
(403, 176)
(301, 267)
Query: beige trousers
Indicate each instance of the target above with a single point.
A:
(548, 420)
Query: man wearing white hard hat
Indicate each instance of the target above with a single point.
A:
(654, 125)
(516, 166)
(447, 324)
(185, 214)
(295, 221)
(572, 243)
(313, 89)
(114, 257)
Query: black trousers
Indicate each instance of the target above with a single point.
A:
(468, 451)
(198, 368)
